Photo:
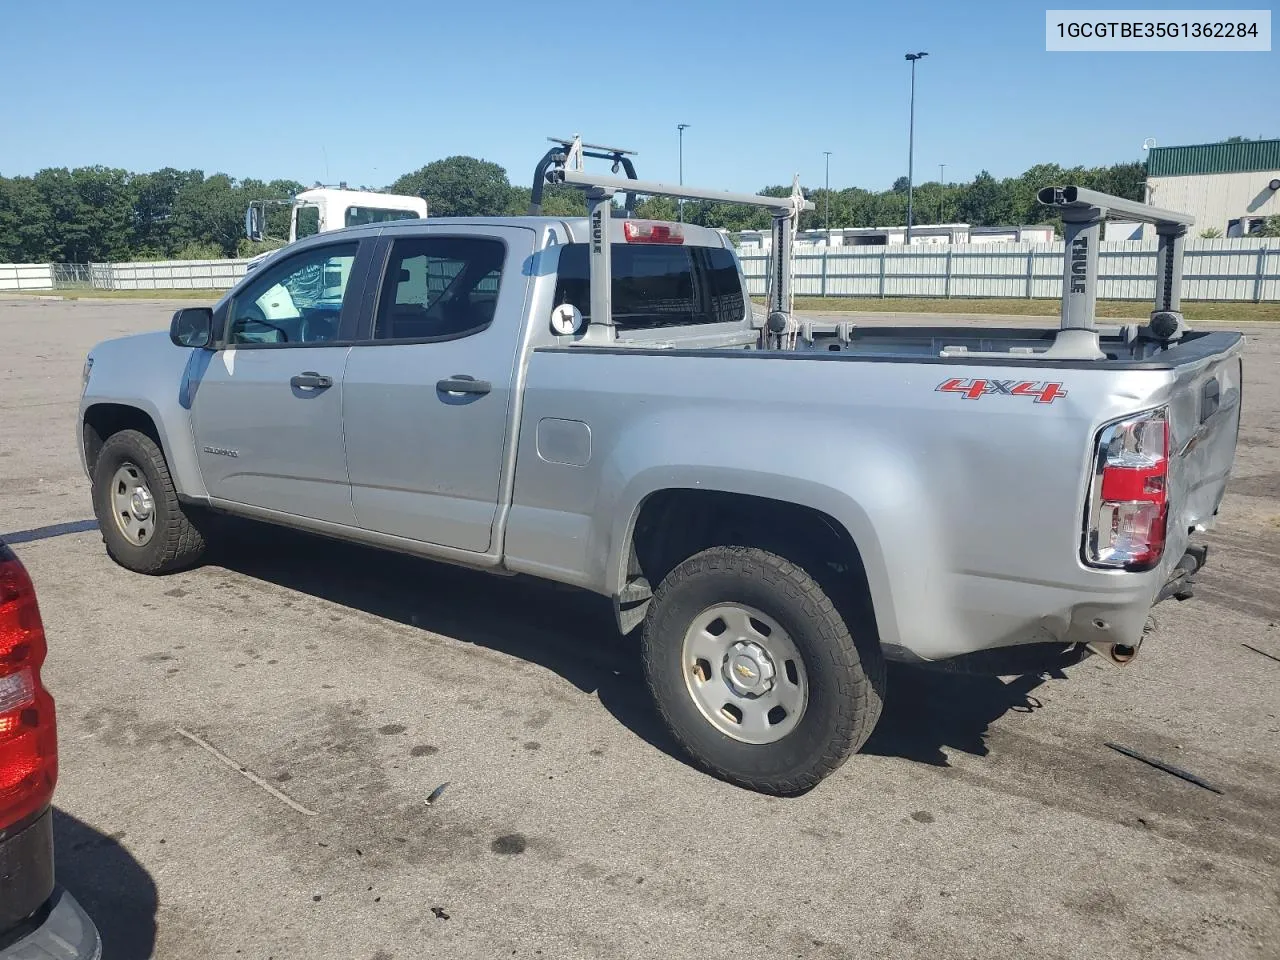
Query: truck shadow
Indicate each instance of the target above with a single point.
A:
(927, 710)
(115, 889)
(573, 633)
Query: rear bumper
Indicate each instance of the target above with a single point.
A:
(61, 930)
(991, 616)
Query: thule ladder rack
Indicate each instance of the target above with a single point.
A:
(1083, 212)
(566, 166)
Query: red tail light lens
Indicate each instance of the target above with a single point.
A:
(1129, 497)
(28, 729)
(652, 231)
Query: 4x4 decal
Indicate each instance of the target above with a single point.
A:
(1042, 391)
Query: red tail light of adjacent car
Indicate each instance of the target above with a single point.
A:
(28, 729)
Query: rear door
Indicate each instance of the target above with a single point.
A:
(267, 411)
(428, 394)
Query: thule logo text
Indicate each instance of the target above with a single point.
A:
(1079, 263)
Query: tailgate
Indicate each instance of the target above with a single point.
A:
(1204, 412)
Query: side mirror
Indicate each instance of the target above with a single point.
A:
(253, 223)
(192, 327)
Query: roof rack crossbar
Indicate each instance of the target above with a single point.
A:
(565, 153)
(565, 166)
(1083, 212)
(580, 178)
(612, 151)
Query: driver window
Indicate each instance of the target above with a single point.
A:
(297, 301)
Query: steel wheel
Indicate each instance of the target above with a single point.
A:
(134, 508)
(744, 673)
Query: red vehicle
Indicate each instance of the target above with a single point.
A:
(38, 920)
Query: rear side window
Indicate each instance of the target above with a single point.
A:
(658, 285)
(439, 288)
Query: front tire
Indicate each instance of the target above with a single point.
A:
(143, 524)
(755, 673)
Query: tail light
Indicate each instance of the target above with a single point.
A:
(652, 231)
(28, 730)
(1129, 497)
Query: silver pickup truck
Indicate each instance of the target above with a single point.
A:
(782, 505)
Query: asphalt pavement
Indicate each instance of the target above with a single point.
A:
(248, 750)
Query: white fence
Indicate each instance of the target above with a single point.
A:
(170, 275)
(26, 276)
(143, 275)
(1241, 268)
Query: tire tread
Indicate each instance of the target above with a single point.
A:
(857, 669)
(184, 542)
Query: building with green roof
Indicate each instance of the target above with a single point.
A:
(1229, 187)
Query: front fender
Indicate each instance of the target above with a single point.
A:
(148, 373)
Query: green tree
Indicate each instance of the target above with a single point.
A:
(459, 186)
(27, 228)
(92, 211)
(558, 200)
(657, 208)
(987, 202)
(154, 196)
(207, 210)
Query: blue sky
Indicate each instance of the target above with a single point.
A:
(327, 90)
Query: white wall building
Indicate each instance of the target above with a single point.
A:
(922, 234)
(1228, 187)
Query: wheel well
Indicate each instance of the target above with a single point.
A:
(103, 419)
(673, 525)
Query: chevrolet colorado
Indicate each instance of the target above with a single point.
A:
(782, 505)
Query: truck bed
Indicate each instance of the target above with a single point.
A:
(1125, 346)
(962, 478)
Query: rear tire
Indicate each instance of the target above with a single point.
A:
(144, 526)
(780, 631)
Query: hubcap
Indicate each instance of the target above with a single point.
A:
(133, 506)
(748, 669)
(744, 673)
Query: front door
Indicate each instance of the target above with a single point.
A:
(427, 399)
(268, 410)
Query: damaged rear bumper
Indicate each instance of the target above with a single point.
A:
(1179, 586)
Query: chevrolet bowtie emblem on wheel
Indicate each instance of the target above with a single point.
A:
(744, 671)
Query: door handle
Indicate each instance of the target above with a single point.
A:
(462, 383)
(310, 380)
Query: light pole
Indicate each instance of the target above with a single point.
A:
(826, 215)
(942, 182)
(680, 129)
(911, 135)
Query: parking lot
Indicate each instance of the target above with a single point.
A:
(247, 751)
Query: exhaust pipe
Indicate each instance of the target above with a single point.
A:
(1116, 653)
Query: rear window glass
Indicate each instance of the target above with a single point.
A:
(357, 216)
(658, 285)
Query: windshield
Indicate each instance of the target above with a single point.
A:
(356, 216)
